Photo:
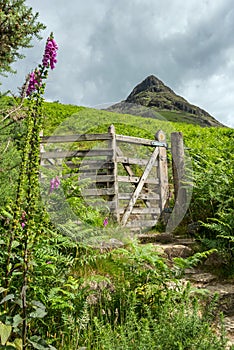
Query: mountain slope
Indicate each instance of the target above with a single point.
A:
(152, 98)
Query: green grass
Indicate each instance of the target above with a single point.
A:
(120, 299)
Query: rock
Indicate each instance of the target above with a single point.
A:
(178, 251)
(214, 260)
(116, 243)
(156, 237)
(160, 250)
(185, 241)
(226, 297)
(190, 271)
(165, 238)
(111, 244)
(202, 278)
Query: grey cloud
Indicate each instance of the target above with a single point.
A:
(106, 47)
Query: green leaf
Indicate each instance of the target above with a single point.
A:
(17, 319)
(38, 313)
(38, 304)
(18, 343)
(40, 344)
(7, 214)
(5, 332)
(8, 297)
(15, 244)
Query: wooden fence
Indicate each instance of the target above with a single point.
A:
(129, 174)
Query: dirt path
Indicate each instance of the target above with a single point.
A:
(171, 247)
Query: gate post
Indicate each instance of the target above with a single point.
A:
(162, 170)
(178, 170)
(114, 198)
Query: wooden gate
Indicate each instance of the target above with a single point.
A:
(129, 174)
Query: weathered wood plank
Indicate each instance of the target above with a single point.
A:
(139, 187)
(93, 178)
(91, 164)
(142, 223)
(98, 192)
(74, 138)
(70, 154)
(112, 145)
(149, 197)
(162, 170)
(142, 211)
(163, 177)
(99, 202)
(136, 161)
(179, 178)
(136, 179)
(135, 140)
(178, 162)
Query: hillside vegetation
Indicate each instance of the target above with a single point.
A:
(210, 157)
(79, 297)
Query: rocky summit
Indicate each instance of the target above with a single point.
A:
(152, 98)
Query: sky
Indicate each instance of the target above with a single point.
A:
(107, 47)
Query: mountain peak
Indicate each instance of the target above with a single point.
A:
(152, 98)
(149, 84)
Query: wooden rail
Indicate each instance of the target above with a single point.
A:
(134, 188)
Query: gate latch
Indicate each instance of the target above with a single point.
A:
(159, 144)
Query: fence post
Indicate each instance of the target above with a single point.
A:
(114, 198)
(178, 170)
(162, 170)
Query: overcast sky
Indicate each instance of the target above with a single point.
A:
(106, 47)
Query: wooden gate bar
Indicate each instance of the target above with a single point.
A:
(143, 196)
(114, 198)
(74, 138)
(139, 187)
(141, 223)
(71, 154)
(135, 179)
(142, 210)
(127, 160)
(134, 140)
(96, 178)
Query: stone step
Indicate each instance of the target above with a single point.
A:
(185, 241)
(156, 238)
(165, 238)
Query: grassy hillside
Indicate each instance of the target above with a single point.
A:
(125, 298)
(209, 155)
(213, 142)
(84, 119)
(207, 146)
